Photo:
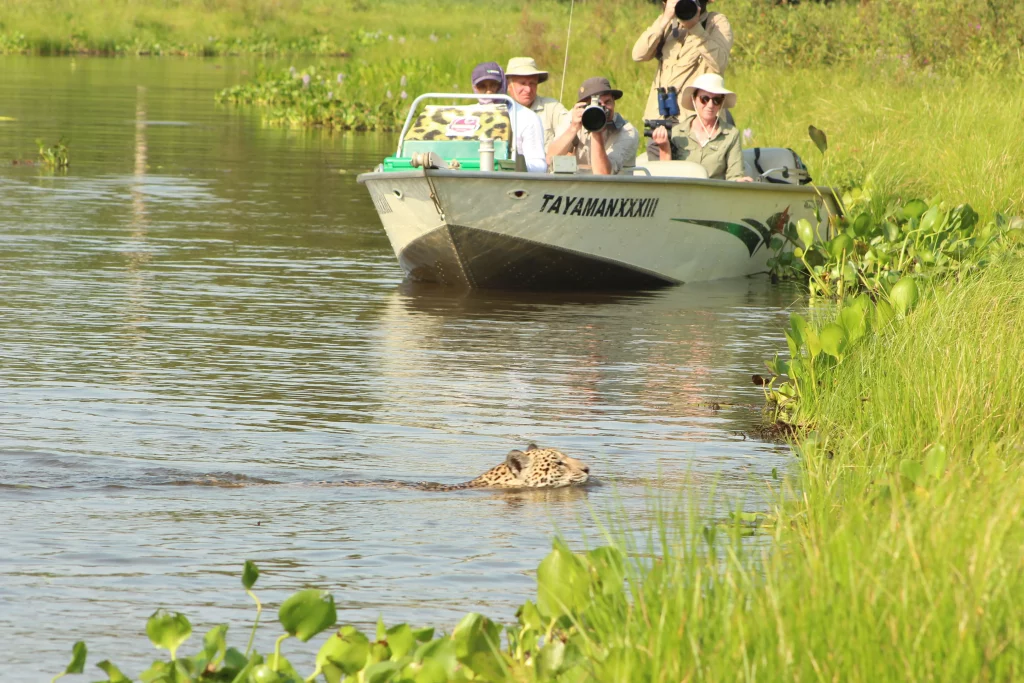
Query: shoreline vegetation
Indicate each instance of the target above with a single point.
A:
(894, 551)
(922, 98)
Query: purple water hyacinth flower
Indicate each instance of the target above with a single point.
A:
(402, 81)
(433, 37)
(341, 79)
(388, 94)
(404, 95)
(291, 70)
(747, 134)
(330, 94)
(305, 80)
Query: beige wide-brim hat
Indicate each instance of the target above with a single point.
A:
(525, 66)
(712, 83)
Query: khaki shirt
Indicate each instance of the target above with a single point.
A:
(722, 156)
(553, 115)
(684, 54)
(620, 144)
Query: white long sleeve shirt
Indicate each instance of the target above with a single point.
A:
(529, 132)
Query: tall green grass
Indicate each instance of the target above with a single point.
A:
(870, 576)
(965, 35)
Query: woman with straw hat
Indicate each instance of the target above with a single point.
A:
(704, 136)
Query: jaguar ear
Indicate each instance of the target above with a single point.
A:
(516, 461)
(532, 446)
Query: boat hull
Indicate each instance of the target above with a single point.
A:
(524, 231)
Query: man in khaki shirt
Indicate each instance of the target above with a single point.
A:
(523, 78)
(684, 50)
(606, 151)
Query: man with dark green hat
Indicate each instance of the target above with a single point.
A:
(605, 151)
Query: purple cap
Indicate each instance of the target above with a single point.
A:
(489, 71)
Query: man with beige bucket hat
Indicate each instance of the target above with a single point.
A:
(523, 78)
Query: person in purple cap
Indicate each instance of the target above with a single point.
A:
(489, 79)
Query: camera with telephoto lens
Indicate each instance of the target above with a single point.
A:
(688, 9)
(595, 116)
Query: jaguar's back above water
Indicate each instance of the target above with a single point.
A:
(534, 468)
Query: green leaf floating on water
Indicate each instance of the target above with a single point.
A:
(114, 674)
(307, 613)
(348, 649)
(401, 640)
(438, 661)
(250, 573)
(478, 645)
(168, 630)
(77, 663)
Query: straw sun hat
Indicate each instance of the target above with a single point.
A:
(525, 66)
(712, 83)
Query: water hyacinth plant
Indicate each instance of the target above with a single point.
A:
(323, 96)
(545, 643)
(53, 156)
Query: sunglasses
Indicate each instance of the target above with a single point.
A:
(717, 99)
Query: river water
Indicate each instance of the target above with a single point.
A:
(202, 317)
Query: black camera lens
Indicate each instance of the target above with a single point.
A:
(594, 117)
(687, 9)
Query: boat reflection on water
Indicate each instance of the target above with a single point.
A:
(645, 381)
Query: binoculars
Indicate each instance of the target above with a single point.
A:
(668, 103)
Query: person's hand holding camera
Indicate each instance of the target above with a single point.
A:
(576, 122)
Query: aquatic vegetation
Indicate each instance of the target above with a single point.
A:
(321, 96)
(53, 156)
(544, 643)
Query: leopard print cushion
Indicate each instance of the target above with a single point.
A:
(444, 122)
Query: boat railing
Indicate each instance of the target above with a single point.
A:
(460, 96)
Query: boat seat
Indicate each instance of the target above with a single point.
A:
(775, 165)
(672, 169)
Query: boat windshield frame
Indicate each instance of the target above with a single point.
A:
(460, 96)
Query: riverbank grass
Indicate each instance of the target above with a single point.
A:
(901, 556)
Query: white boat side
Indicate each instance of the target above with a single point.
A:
(511, 230)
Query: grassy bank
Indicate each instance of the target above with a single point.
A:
(961, 35)
(883, 570)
